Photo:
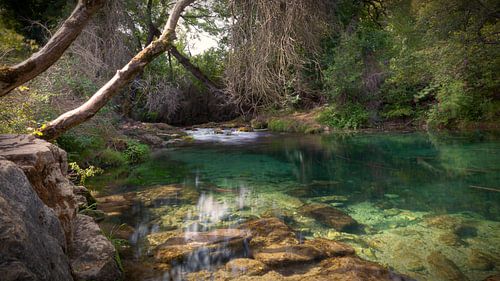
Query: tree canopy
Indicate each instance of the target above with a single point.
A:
(430, 63)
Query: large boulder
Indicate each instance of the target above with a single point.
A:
(92, 254)
(32, 242)
(46, 166)
(71, 239)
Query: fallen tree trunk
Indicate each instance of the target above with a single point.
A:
(188, 65)
(14, 76)
(122, 77)
(212, 87)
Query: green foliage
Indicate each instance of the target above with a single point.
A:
(435, 61)
(136, 152)
(291, 125)
(110, 158)
(352, 55)
(21, 15)
(286, 125)
(84, 173)
(281, 125)
(80, 146)
(348, 116)
(81, 86)
(13, 43)
(23, 110)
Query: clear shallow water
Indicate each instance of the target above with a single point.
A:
(413, 193)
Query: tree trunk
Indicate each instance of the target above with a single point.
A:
(87, 110)
(14, 76)
(212, 87)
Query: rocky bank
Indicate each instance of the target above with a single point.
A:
(42, 235)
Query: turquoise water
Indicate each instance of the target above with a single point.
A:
(412, 193)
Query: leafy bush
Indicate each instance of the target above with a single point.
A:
(82, 173)
(348, 116)
(136, 152)
(398, 111)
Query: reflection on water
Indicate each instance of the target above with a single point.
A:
(412, 194)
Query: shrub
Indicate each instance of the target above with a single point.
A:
(84, 173)
(136, 152)
(348, 116)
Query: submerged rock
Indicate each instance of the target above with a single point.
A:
(480, 261)
(247, 267)
(178, 248)
(442, 221)
(269, 231)
(155, 197)
(495, 277)
(444, 268)
(331, 248)
(348, 268)
(330, 216)
(275, 255)
(465, 231)
(352, 268)
(172, 194)
(310, 250)
(115, 204)
(156, 239)
(330, 199)
(450, 239)
(274, 243)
